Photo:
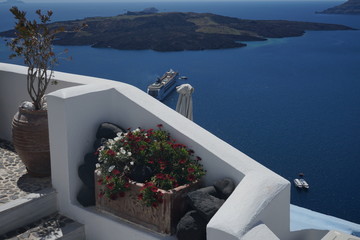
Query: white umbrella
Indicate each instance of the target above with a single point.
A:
(184, 105)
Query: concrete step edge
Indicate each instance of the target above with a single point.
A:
(28, 209)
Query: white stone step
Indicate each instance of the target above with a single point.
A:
(54, 226)
(25, 210)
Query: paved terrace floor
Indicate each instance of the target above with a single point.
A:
(15, 182)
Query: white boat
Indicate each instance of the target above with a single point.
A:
(298, 183)
(304, 183)
(164, 85)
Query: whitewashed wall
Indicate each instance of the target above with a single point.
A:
(259, 205)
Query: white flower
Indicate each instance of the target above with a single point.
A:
(132, 163)
(122, 150)
(111, 168)
(111, 142)
(98, 172)
(136, 130)
(129, 154)
(97, 165)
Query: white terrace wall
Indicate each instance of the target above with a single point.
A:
(13, 91)
(258, 207)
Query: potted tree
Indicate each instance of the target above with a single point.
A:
(33, 42)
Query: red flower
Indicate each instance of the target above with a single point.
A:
(140, 196)
(101, 194)
(100, 182)
(154, 204)
(121, 194)
(160, 176)
(154, 189)
(116, 172)
(110, 186)
(182, 161)
(113, 196)
(191, 178)
(198, 158)
(191, 170)
(109, 178)
(159, 125)
(151, 162)
(110, 152)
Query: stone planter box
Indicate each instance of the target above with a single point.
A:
(162, 219)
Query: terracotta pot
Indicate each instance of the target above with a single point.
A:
(162, 219)
(31, 140)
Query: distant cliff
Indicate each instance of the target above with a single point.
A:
(349, 7)
(178, 31)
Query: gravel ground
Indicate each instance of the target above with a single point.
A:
(14, 181)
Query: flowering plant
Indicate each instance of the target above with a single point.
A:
(171, 164)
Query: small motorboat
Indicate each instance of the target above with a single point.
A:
(304, 183)
(183, 77)
(298, 183)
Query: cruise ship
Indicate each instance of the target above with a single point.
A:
(164, 85)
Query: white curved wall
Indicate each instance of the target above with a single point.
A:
(76, 112)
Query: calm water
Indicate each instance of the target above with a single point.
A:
(292, 104)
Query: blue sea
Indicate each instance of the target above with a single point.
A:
(292, 104)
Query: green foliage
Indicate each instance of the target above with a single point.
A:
(33, 42)
(172, 163)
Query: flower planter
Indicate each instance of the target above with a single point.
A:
(162, 219)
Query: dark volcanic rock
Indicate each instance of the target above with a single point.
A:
(205, 204)
(98, 143)
(209, 190)
(191, 226)
(177, 31)
(91, 158)
(224, 187)
(86, 196)
(108, 130)
(86, 174)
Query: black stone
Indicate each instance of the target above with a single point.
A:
(205, 204)
(209, 190)
(224, 187)
(98, 143)
(86, 174)
(191, 226)
(91, 158)
(141, 173)
(86, 196)
(108, 130)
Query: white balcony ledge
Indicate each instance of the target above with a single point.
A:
(259, 206)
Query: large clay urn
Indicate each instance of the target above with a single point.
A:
(31, 140)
